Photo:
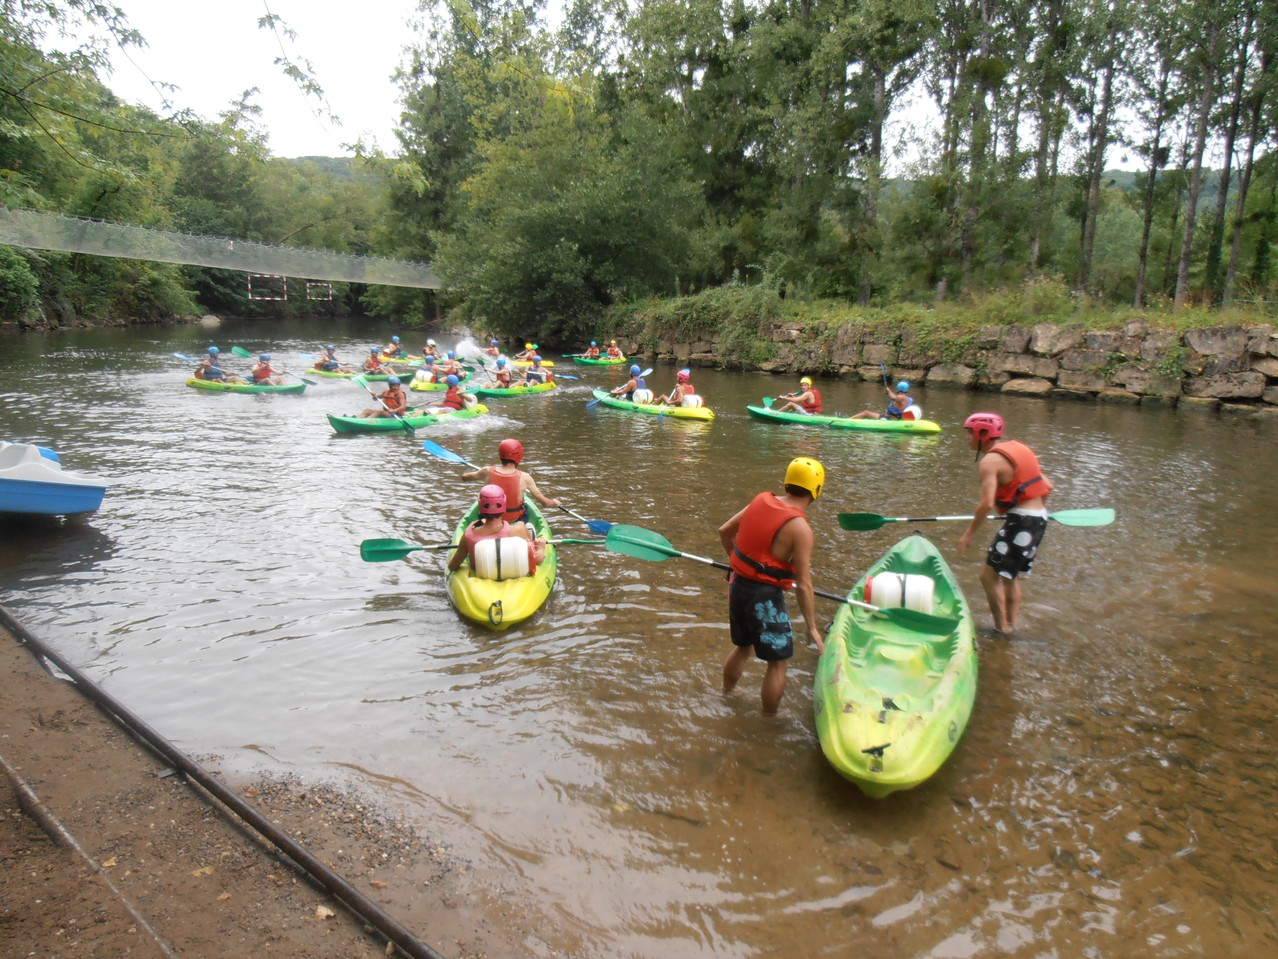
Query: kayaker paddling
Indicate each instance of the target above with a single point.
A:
(493, 525)
(329, 363)
(373, 363)
(494, 350)
(514, 481)
(263, 374)
(683, 389)
(210, 368)
(527, 353)
(614, 351)
(453, 398)
(502, 374)
(899, 401)
(393, 349)
(806, 400)
(769, 544)
(633, 385)
(1013, 484)
(394, 398)
(536, 374)
(592, 352)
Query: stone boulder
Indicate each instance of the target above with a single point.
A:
(1029, 387)
(1136, 379)
(1218, 340)
(1118, 398)
(988, 338)
(1051, 340)
(1088, 360)
(875, 353)
(1267, 365)
(1015, 339)
(951, 374)
(1249, 385)
(1081, 380)
(1019, 363)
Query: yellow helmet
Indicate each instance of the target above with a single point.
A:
(806, 381)
(528, 346)
(806, 473)
(613, 343)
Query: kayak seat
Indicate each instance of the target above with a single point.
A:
(510, 557)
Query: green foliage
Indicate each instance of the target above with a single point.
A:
(18, 285)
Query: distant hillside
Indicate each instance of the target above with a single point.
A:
(340, 167)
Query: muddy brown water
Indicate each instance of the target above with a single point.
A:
(1113, 794)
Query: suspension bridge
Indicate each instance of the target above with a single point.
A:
(52, 231)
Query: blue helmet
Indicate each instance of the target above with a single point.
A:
(501, 362)
(264, 357)
(452, 380)
(903, 387)
(393, 380)
(492, 342)
(330, 347)
(213, 351)
(374, 350)
(452, 355)
(593, 343)
(536, 360)
(634, 371)
(394, 339)
(428, 360)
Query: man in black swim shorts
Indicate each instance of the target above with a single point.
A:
(770, 547)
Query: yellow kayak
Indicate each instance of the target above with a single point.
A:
(501, 603)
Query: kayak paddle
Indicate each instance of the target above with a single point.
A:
(386, 550)
(595, 402)
(1066, 517)
(596, 525)
(434, 449)
(246, 355)
(402, 422)
(646, 544)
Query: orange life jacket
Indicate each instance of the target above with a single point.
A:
(453, 398)
(752, 553)
(512, 484)
(1027, 482)
(814, 405)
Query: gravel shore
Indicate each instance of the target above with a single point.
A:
(105, 850)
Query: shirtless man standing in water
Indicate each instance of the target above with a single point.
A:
(1013, 484)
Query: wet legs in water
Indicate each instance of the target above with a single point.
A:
(773, 678)
(1004, 597)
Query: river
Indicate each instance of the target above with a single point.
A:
(1113, 794)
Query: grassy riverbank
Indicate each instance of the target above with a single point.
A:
(739, 323)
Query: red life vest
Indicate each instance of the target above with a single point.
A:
(503, 377)
(453, 398)
(395, 400)
(688, 390)
(1027, 480)
(512, 484)
(814, 406)
(752, 553)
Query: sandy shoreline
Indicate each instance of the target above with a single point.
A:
(156, 867)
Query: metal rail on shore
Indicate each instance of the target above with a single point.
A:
(325, 877)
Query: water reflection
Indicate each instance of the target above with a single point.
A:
(1111, 795)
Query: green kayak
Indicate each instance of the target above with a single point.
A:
(513, 391)
(890, 703)
(388, 424)
(218, 386)
(599, 360)
(842, 422)
(654, 409)
(334, 375)
(422, 386)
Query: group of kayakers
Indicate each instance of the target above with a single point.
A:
(807, 399)
(260, 374)
(612, 351)
(636, 390)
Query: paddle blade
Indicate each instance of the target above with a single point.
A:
(385, 550)
(591, 404)
(1084, 517)
(640, 543)
(600, 526)
(436, 450)
(241, 352)
(862, 521)
(306, 357)
(361, 381)
(188, 359)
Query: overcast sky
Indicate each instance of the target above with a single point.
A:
(214, 50)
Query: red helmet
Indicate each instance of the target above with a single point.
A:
(512, 450)
(682, 376)
(985, 425)
(492, 500)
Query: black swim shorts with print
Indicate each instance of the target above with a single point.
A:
(758, 618)
(1014, 548)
